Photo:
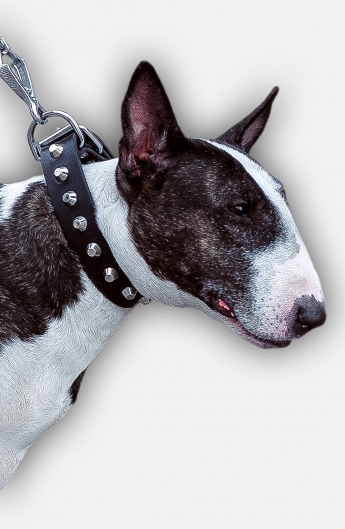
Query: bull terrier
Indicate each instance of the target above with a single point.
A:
(191, 222)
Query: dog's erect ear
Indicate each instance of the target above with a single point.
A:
(245, 133)
(150, 129)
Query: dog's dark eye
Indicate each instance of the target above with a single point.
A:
(240, 209)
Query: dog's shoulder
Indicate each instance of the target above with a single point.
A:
(39, 274)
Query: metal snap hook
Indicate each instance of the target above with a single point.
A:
(16, 75)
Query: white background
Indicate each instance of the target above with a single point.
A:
(180, 423)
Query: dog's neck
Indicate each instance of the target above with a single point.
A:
(112, 215)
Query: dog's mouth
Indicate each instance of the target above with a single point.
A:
(223, 308)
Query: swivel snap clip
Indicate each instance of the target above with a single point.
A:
(16, 75)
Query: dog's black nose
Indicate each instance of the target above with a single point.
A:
(310, 314)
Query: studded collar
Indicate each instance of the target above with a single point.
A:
(61, 161)
(74, 207)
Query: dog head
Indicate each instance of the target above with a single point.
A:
(211, 221)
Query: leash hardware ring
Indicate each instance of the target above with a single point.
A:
(59, 134)
(35, 146)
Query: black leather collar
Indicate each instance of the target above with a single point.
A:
(61, 163)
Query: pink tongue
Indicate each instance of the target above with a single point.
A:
(222, 304)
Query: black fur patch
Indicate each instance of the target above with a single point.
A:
(187, 231)
(39, 274)
(74, 389)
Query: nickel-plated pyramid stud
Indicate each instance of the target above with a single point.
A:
(129, 293)
(61, 173)
(93, 250)
(110, 275)
(55, 150)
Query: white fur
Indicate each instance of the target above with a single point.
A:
(35, 375)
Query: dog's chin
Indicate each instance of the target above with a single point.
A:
(222, 308)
